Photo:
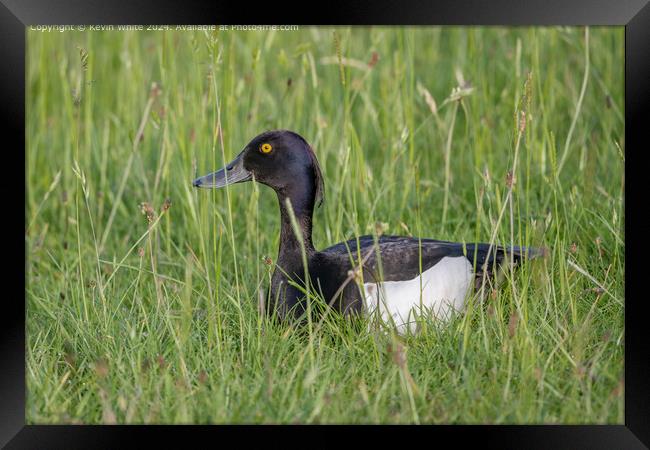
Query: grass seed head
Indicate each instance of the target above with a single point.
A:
(83, 55)
(512, 324)
(155, 90)
(381, 228)
(148, 211)
(397, 351)
(598, 291)
(374, 58)
(601, 250)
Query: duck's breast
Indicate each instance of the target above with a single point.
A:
(440, 290)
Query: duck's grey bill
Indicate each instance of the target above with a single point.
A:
(232, 173)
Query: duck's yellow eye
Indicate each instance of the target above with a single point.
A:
(266, 148)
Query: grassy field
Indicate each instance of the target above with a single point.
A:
(142, 292)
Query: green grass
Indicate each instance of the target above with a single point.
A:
(138, 321)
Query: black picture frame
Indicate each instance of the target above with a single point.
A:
(15, 15)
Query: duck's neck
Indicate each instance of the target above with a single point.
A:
(301, 196)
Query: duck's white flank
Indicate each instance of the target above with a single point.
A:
(444, 288)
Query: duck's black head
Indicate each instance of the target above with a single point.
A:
(280, 159)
